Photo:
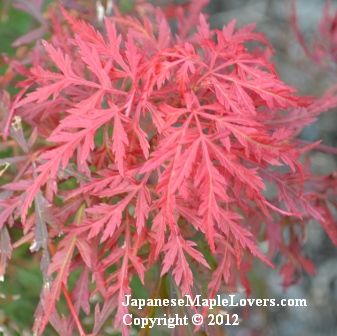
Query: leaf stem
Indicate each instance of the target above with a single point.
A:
(73, 311)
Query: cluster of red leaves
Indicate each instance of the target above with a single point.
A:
(183, 151)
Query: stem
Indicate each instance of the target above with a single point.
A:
(326, 149)
(151, 311)
(319, 147)
(73, 311)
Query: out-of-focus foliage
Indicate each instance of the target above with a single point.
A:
(19, 294)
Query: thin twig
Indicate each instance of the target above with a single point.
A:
(73, 311)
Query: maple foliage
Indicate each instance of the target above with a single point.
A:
(322, 51)
(182, 146)
(323, 48)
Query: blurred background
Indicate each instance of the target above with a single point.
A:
(19, 292)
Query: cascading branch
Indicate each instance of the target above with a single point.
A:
(179, 149)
